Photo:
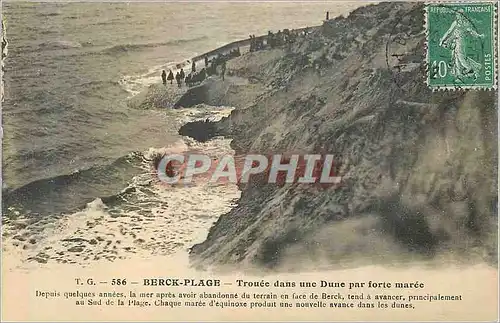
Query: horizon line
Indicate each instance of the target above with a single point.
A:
(202, 1)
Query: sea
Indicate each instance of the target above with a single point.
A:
(70, 140)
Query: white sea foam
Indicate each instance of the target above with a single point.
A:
(151, 219)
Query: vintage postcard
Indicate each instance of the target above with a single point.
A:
(194, 161)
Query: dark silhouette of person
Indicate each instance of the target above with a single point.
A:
(170, 76)
(203, 74)
(270, 39)
(212, 69)
(182, 74)
(223, 69)
(206, 61)
(327, 15)
(164, 77)
(193, 67)
(178, 79)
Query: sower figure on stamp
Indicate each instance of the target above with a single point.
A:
(455, 40)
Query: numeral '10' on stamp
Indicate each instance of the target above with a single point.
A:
(461, 45)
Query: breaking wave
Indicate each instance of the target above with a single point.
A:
(125, 48)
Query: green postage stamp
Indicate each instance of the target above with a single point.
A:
(461, 45)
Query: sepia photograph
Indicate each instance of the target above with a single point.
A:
(249, 160)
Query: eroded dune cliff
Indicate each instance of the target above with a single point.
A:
(419, 167)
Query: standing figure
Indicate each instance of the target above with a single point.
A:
(182, 74)
(193, 67)
(178, 79)
(164, 77)
(170, 76)
(327, 15)
(223, 69)
(206, 61)
(455, 39)
(203, 74)
(252, 44)
(213, 68)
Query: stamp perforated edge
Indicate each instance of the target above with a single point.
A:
(494, 45)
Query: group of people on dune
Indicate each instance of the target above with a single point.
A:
(211, 66)
(273, 40)
(195, 78)
(179, 77)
